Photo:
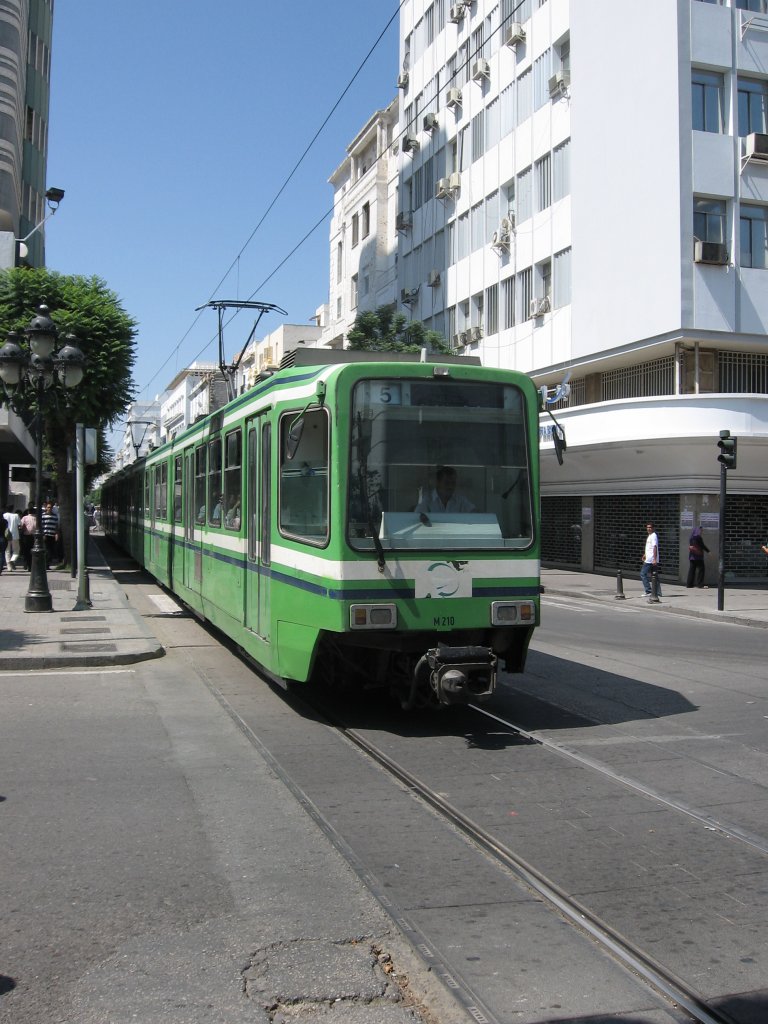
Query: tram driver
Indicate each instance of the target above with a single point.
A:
(444, 496)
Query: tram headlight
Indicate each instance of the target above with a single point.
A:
(513, 613)
(372, 616)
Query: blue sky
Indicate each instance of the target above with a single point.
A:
(173, 124)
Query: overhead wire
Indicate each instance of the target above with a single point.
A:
(293, 171)
(276, 197)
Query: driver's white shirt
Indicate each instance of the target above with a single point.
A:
(456, 503)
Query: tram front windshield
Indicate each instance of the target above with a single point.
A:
(439, 464)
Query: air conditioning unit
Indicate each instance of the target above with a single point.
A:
(453, 98)
(464, 337)
(538, 307)
(756, 146)
(456, 340)
(402, 80)
(409, 295)
(443, 188)
(502, 237)
(433, 280)
(402, 222)
(481, 69)
(454, 181)
(710, 252)
(559, 82)
(477, 333)
(431, 123)
(410, 143)
(515, 34)
(456, 13)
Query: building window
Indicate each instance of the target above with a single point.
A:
(492, 309)
(562, 285)
(561, 170)
(753, 102)
(542, 69)
(707, 99)
(524, 196)
(462, 239)
(758, 6)
(753, 236)
(525, 292)
(353, 292)
(477, 227)
(339, 254)
(543, 183)
(709, 220)
(355, 229)
(478, 135)
(524, 96)
(508, 303)
(366, 219)
(544, 280)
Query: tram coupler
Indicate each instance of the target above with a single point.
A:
(460, 674)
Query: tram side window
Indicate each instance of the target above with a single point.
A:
(233, 447)
(200, 484)
(147, 493)
(304, 478)
(161, 491)
(177, 464)
(215, 493)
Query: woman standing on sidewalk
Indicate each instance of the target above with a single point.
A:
(696, 549)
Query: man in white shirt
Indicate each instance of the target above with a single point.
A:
(444, 497)
(12, 525)
(650, 560)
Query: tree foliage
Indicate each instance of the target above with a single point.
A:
(384, 330)
(85, 307)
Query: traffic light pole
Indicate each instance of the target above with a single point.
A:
(721, 542)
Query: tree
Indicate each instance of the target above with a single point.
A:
(384, 330)
(85, 307)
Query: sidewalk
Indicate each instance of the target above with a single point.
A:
(108, 633)
(748, 607)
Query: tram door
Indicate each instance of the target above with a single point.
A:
(192, 559)
(257, 570)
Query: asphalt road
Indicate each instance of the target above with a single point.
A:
(170, 829)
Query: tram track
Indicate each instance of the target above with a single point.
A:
(639, 962)
(725, 829)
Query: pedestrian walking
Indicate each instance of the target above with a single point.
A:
(651, 560)
(11, 536)
(50, 521)
(696, 550)
(27, 531)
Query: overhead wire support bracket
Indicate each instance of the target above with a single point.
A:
(229, 370)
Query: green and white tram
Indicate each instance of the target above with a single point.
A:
(365, 517)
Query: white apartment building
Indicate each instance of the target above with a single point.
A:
(583, 193)
(363, 258)
(141, 433)
(267, 353)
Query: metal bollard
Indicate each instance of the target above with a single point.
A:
(654, 598)
(83, 594)
(619, 586)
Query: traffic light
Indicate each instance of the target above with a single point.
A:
(727, 446)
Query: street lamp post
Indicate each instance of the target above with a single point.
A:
(39, 368)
